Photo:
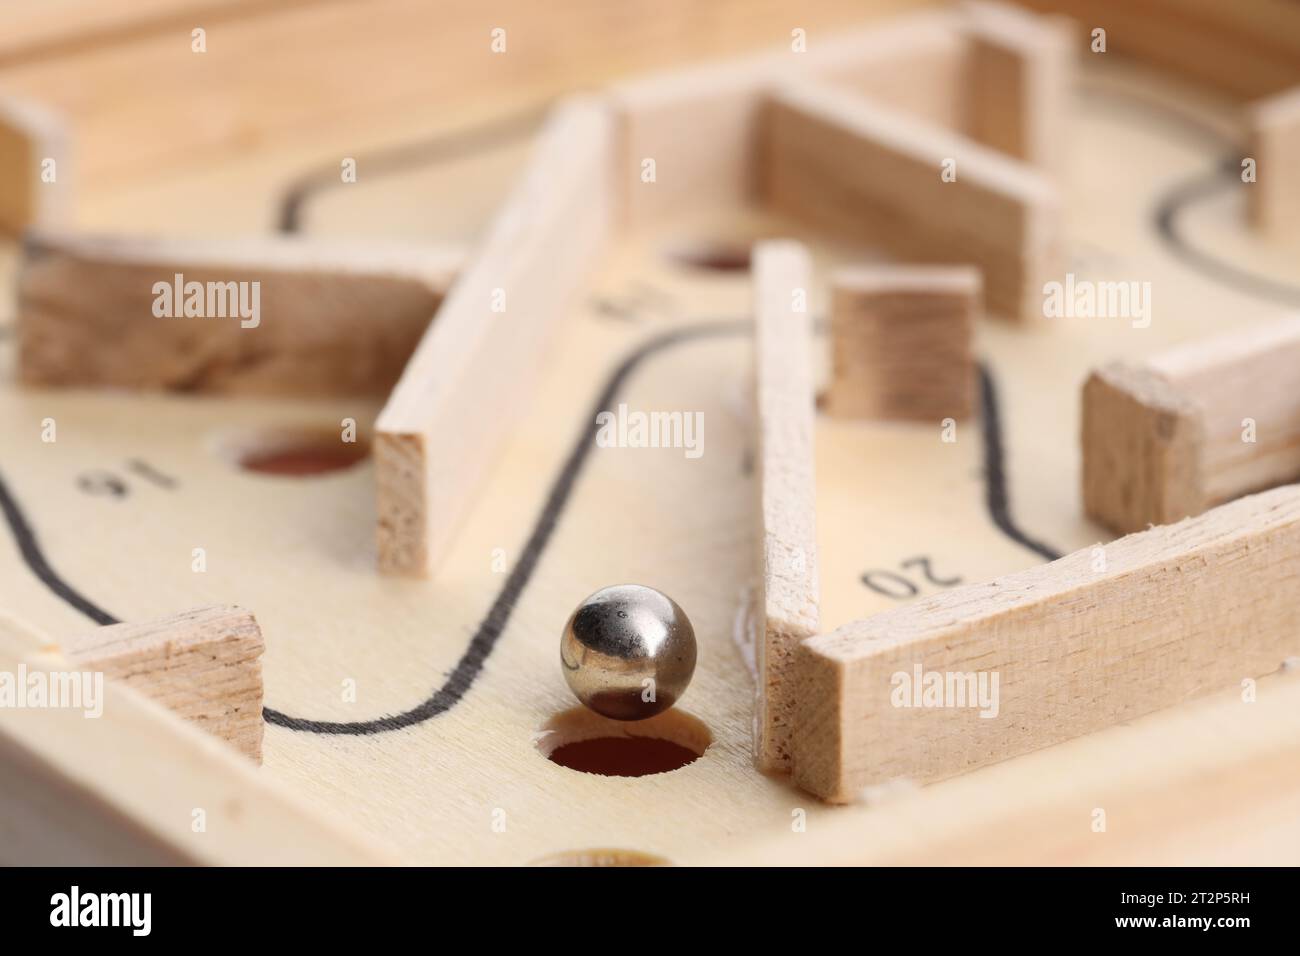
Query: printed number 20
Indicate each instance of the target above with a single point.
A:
(891, 584)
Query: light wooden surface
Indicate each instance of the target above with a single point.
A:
(786, 532)
(889, 494)
(323, 317)
(205, 665)
(900, 343)
(993, 670)
(263, 82)
(63, 27)
(1212, 783)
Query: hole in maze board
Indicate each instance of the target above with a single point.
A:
(589, 743)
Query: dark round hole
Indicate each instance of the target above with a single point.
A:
(289, 452)
(303, 459)
(713, 256)
(623, 756)
(582, 740)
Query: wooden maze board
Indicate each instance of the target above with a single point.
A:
(102, 522)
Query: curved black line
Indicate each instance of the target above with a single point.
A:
(1126, 98)
(996, 497)
(32, 554)
(1172, 204)
(493, 625)
(1225, 174)
(440, 148)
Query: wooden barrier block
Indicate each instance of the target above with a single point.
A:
(916, 65)
(452, 408)
(1192, 427)
(266, 316)
(700, 127)
(985, 672)
(1273, 200)
(787, 534)
(901, 343)
(205, 665)
(687, 137)
(1020, 83)
(122, 789)
(35, 168)
(850, 166)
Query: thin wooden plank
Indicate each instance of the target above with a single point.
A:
(989, 671)
(1021, 77)
(276, 316)
(452, 408)
(701, 126)
(861, 170)
(1215, 782)
(787, 535)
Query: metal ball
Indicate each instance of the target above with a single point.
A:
(628, 652)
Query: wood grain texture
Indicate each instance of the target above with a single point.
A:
(787, 511)
(450, 412)
(139, 785)
(901, 343)
(987, 71)
(204, 665)
(1212, 783)
(701, 125)
(1098, 637)
(39, 31)
(1021, 73)
(1248, 48)
(1142, 444)
(869, 173)
(1192, 427)
(334, 317)
(263, 82)
(1212, 787)
(30, 135)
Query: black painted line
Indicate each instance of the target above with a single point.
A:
(415, 155)
(1223, 177)
(996, 497)
(493, 625)
(30, 549)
